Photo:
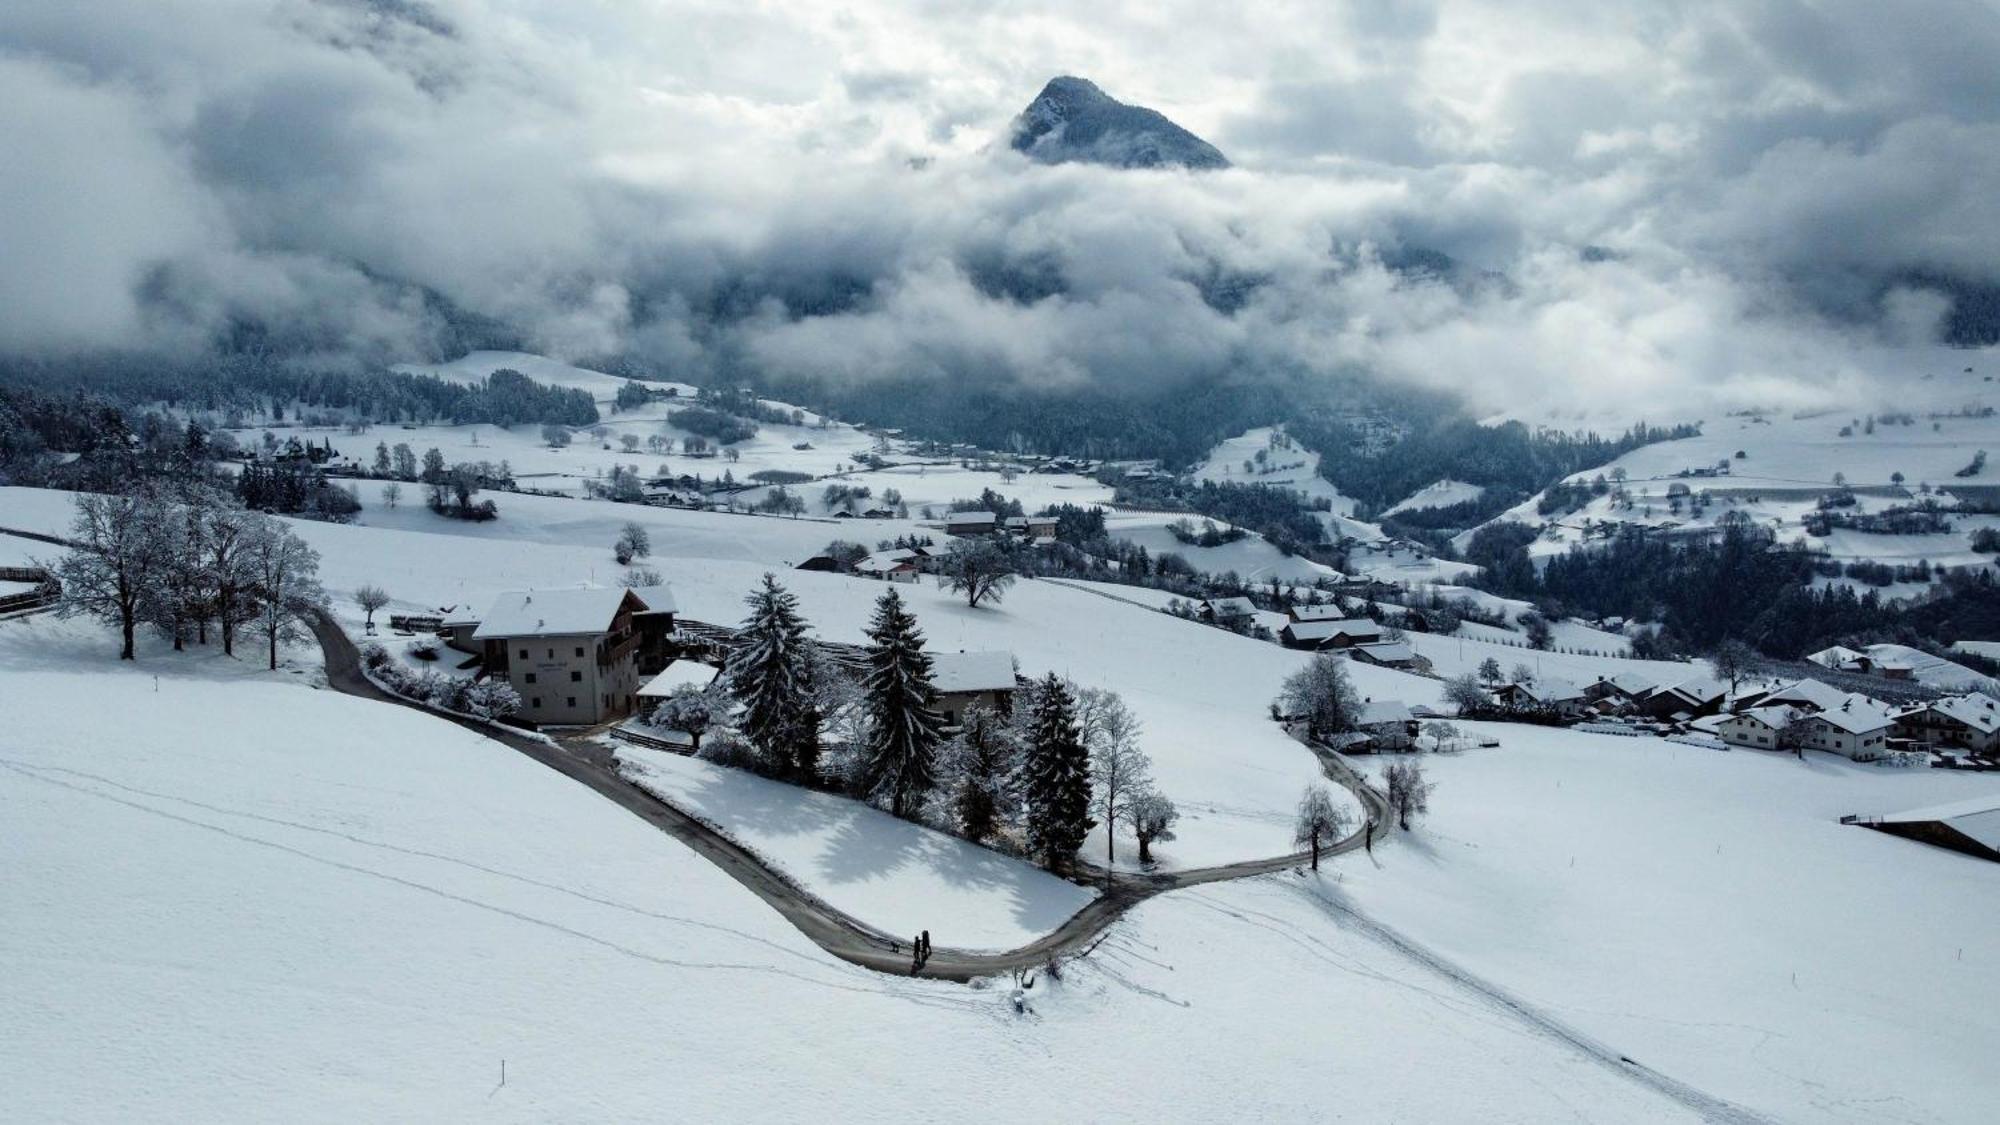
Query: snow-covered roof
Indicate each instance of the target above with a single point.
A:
(1698, 689)
(1857, 714)
(1322, 630)
(1631, 683)
(972, 671)
(1328, 612)
(969, 519)
(678, 673)
(885, 561)
(557, 613)
(1382, 711)
(1387, 652)
(1978, 818)
(1814, 693)
(1231, 607)
(1777, 718)
(1836, 656)
(1978, 710)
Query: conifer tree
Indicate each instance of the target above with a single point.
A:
(900, 757)
(1056, 777)
(981, 758)
(771, 675)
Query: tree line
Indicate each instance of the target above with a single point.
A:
(1034, 778)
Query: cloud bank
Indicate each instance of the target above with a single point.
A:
(1652, 204)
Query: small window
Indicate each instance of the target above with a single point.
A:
(552, 654)
(524, 654)
(575, 677)
(530, 677)
(535, 702)
(572, 701)
(579, 650)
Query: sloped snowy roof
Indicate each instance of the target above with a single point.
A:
(1978, 710)
(1231, 607)
(1857, 714)
(1383, 711)
(1387, 652)
(883, 562)
(555, 613)
(970, 519)
(1327, 612)
(972, 671)
(678, 673)
(1814, 693)
(1322, 630)
(1978, 818)
(1777, 718)
(1631, 683)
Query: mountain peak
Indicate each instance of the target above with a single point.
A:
(1073, 120)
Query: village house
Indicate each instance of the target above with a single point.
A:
(1859, 729)
(1323, 611)
(1806, 694)
(1970, 722)
(1620, 691)
(1759, 728)
(1689, 699)
(889, 566)
(1341, 633)
(1388, 724)
(1227, 611)
(1557, 696)
(573, 655)
(968, 679)
(970, 523)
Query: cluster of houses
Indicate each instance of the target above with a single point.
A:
(1035, 529)
(1803, 714)
(1328, 628)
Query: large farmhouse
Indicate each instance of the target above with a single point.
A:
(1970, 722)
(573, 655)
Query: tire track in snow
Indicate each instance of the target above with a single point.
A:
(1710, 1107)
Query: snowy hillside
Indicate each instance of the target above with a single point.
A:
(1775, 468)
(1715, 919)
(1442, 494)
(366, 912)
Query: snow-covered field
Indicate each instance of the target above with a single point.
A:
(1439, 494)
(1707, 912)
(1201, 693)
(1788, 461)
(896, 875)
(1252, 558)
(229, 897)
(1295, 468)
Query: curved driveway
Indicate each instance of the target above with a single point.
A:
(832, 929)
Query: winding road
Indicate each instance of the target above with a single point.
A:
(832, 929)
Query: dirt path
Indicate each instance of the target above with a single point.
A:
(832, 929)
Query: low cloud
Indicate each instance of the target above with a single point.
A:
(815, 193)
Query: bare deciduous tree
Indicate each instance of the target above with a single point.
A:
(1409, 793)
(1320, 821)
(370, 599)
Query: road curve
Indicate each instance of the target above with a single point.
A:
(832, 929)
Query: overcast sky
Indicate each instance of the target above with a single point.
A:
(642, 176)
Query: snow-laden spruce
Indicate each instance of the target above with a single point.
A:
(899, 760)
(1056, 777)
(771, 672)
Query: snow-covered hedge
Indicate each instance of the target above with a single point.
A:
(481, 699)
